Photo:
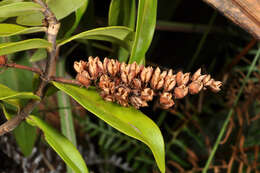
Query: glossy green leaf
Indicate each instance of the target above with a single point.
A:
(7, 93)
(78, 15)
(60, 8)
(116, 34)
(18, 8)
(7, 48)
(122, 13)
(32, 19)
(65, 112)
(146, 20)
(12, 29)
(5, 2)
(128, 120)
(38, 55)
(21, 134)
(66, 150)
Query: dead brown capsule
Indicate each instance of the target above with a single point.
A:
(180, 92)
(196, 75)
(166, 100)
(83, 80)
(147, 94)
(195, 87)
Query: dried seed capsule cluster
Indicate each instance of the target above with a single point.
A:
(133, 84)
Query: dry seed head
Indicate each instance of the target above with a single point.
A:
(133, 84)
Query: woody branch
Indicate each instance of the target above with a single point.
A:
(52, 31)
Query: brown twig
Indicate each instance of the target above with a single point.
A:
(18, 66)
(52, 31)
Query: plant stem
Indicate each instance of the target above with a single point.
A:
(52, 31)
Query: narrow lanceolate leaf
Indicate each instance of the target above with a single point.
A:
(12, 29)
(128, 120)
(146, 20)
(65, 113)
(78, 15)
(18, 8)
(66, 150)
(22, 132)
(7, 48)
(38, 55)
(7, 93)
(60, 8)
(122, 13)
(115, 34)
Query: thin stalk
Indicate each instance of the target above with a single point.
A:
(223, 129)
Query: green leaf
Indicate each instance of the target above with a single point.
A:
(78, 14)
(146, 20)
(38, 55)
(7, 93)
(117, 34)
(122, 13)
(5, 2)
(12, 29)
(65, 113)
(18, 8)
(66, 150)
(25, 134)
(128, 120)
(32, 19)
(7, 48)
(60, 8)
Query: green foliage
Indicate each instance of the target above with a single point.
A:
(8, 48)
(127, 120)
(66, 150)
(8, 30)
(18, 8)
(146, 20)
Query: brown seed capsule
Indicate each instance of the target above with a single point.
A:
(170, 81)
(179, 77)
(180, 92)
(185, 78)
(196, 75)
(80, 66)
(147, 94)
(166, 100)
(215, 86)
(121, 96)
(83, 80)
(195, 87)
(136, 83)
(146, 74)
(137, 102)
(161, 80)
(155, 78)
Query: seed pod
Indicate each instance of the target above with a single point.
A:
(155, 78)
(166, 100)
(137, 102)
(146, 74)
(196, 75)
(180, 92)
(179, 77)
(215, 86)
(83, 80)
(80, 66)
(195, 87)
(147, 94)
